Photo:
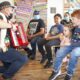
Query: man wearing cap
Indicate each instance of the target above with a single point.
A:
(12, 60)
(35, 31)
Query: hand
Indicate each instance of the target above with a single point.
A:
(47, 38)
(7, 44)
(66, 42)
(61, 37)
(4, 49)
(30, 36)
(14, 28)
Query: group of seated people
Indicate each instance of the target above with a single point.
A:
(64, 35)
(70, 44)
(44, 43)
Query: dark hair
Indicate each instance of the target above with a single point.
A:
(59, 15)
(68, 24)
(36, 12)
(65, 22)
(5, 4)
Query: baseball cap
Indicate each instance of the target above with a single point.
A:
(5, 4)
(36, 12)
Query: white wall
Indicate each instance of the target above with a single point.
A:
(58, 4)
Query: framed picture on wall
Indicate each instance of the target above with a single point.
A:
(53, 10)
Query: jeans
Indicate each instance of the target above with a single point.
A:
(48, 44)
(75, 54)
(12, 61)
(33, 43)
(61, 53)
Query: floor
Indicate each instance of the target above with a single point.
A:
(35, 71)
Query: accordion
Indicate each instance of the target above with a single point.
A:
(18, 36)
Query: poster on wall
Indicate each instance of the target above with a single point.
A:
(41, 5)
(23, 11)
(71, 5)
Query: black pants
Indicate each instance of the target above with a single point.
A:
(48, 44)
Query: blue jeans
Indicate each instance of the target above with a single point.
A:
(12, 61)
(61, 53)
(33, 43)
(75, 54)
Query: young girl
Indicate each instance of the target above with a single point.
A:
(65, 37)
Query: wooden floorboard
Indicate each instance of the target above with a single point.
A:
(35, 71)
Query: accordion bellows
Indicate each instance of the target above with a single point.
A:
(19, 37)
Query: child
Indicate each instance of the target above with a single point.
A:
(65, 37)
(73, 49)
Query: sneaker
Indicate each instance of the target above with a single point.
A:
(29, 51)
(67, 77)
(48, 64)
(4, 78)
(54, 75)
(29, 55)
(1, 78)
(32, 57)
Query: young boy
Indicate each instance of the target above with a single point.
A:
(52, 39)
